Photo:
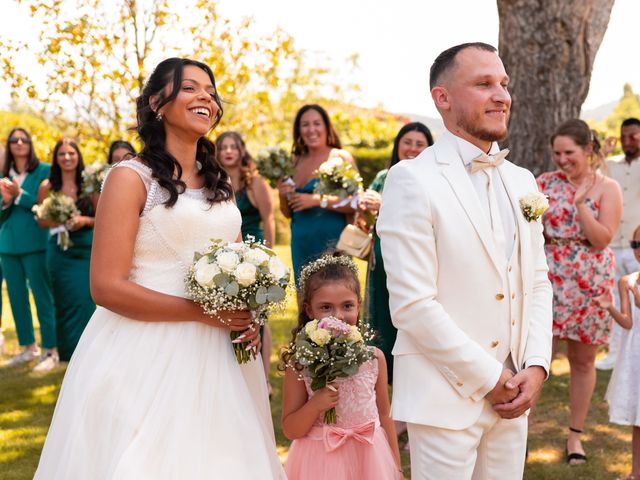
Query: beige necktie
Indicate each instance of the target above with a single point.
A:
(483, 160)
(496, 219)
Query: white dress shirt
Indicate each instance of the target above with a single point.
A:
(468, 152)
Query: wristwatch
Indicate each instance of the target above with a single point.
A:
(323, 201)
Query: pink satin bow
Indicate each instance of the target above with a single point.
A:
(334, 437)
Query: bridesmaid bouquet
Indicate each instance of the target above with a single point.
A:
(57, 208)
(274, 163)
(238, 276)
(93, 176)
(337, 177)
(329, 348)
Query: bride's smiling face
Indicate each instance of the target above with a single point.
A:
(194, 109)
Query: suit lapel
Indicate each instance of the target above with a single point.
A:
(453, 170)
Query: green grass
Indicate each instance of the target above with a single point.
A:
(27, 401)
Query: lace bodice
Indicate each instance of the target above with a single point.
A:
(168, 237)
(357, 402)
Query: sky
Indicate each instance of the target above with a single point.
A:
(397, 40)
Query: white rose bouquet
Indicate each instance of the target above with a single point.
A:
(93, 177)
(533, 205)
(337, 177)
(237, 276)
(274, 163)
(57, 208)
(329, 348)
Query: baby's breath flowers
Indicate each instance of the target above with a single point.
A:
(238, 276)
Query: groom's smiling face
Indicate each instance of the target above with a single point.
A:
(476, 97)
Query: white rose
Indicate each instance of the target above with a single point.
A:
(276, 268)
(245, 274)
(238, 246)
(320, 337)
(204, 260)
(311, 326)
(205, 273)
(227, 261)
(256, 256)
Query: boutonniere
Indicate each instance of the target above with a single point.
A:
(533, 205)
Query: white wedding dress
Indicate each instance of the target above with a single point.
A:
(162, 400)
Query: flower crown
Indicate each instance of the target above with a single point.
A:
(323, 262)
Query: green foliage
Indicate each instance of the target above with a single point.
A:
(43, 134)
(628, 106)
(371, 161)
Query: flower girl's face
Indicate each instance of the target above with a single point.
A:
(67, 158)
(229, 153)
(334, 299)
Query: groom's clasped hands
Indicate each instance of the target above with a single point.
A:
(514, 393)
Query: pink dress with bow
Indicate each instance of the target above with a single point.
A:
(356, 447)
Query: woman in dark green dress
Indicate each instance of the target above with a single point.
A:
(69, 269)
(253, 195)
(411, 140)
(253, 198)
(22, 250)
(316, 221)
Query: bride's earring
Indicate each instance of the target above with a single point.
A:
(159, 116)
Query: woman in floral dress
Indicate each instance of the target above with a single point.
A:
(584, 213)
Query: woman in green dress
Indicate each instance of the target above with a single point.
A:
(253, 195)
(316, 221)
(22, 249)
(253, 198)
(69, 269)
(411, 140)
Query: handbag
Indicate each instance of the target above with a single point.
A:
(355, 242)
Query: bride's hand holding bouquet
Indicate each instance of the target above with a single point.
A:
(230, 281)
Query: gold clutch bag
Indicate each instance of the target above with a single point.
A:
(355, 242)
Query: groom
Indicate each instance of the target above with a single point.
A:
(467, 278)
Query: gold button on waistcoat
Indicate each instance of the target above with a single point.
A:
(499, 296)
(494, 344)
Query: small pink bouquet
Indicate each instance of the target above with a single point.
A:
(330, 348)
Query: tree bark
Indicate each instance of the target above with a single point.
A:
(548, 48)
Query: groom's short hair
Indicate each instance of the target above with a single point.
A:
(446, 60)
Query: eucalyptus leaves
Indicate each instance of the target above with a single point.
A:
(237, 276)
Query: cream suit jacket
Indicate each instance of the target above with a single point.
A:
(445, 286)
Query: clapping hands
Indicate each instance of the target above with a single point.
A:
(9, 189)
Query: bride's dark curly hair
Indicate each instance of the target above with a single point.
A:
(152, 133)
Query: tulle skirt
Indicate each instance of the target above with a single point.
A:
(353, 460)
(159, 400)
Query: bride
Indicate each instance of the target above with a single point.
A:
(153, 390)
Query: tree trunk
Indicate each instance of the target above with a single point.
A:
(548, 48)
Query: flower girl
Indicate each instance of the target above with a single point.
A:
(362, 443)
(623, 393)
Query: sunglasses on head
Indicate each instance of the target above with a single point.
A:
(14, 140)
(635, 244)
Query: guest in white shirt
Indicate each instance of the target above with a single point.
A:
(625, 169)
